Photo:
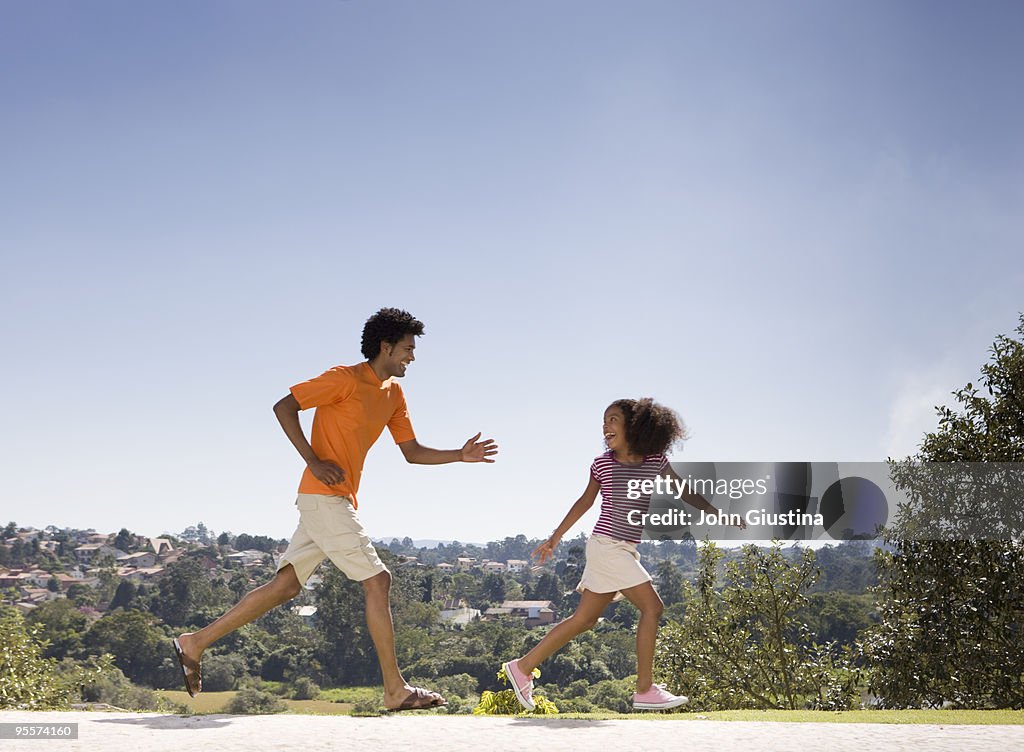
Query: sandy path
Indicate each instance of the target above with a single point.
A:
(134, 732)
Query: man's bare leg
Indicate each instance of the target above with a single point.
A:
(281, 589)
(377, 590)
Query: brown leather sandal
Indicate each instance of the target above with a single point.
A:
(420, 699)
(191, 671)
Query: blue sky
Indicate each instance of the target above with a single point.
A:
(797, 223)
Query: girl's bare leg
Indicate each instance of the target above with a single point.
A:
(647, 600)
(587, 613)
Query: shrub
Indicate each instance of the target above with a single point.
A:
(744, 645)
(254, 702)
(28, 681)
(576, 705)
(366, 707)
(105, 683)
(505, 702)
(222, 672)
(616, 696)
(305, 688)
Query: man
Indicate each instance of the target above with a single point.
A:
(353, 404)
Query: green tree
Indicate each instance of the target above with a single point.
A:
(186, 589)
(571, 572)
(105, 568)
(124, 595)
(252, 644)
(346, 650)
(670, 583)
(125, 541)
(239, 584)
(464, 585)
(221, 672)
(198, 534)
(493, 587)
(135, 640)
(837, 616)
(60, 627)
(246, 542)
(548, 587)
(19, 553)
(83, 595)
(952, 611)
(849, 567)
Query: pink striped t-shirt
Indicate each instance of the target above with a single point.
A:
(614, 478)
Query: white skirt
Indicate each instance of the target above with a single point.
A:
(612, 566)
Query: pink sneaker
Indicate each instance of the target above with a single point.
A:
(522, 684)
(657, 698)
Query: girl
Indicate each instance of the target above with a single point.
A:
(637, 434)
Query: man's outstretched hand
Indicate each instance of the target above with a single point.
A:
(475, 450)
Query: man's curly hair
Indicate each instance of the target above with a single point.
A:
(388, 325)
(650, 428)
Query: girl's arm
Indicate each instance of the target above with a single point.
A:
(698, 501)
(545, 550)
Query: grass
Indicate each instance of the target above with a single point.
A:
(934, 717)
(352, 695)
(215, 702)
(341, 701)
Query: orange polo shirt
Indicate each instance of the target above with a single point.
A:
(352, 408)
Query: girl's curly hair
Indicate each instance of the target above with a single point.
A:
(650, 428)
(387, 325)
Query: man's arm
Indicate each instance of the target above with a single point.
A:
(473, 450)
(287, 412)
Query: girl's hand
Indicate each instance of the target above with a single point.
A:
(545, 550)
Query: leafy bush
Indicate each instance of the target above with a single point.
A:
(61, 626)
(254, 702)
(743, 645)
(222, 672)
(366, 707)
(576, 705)
(505, 702)
(28, 681)
(613, 695)
(305, 688)
(137, 641)
(103, 682)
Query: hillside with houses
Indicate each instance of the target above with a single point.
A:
(459, 609)
(40, 566)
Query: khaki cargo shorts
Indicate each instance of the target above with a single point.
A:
(329, 529)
